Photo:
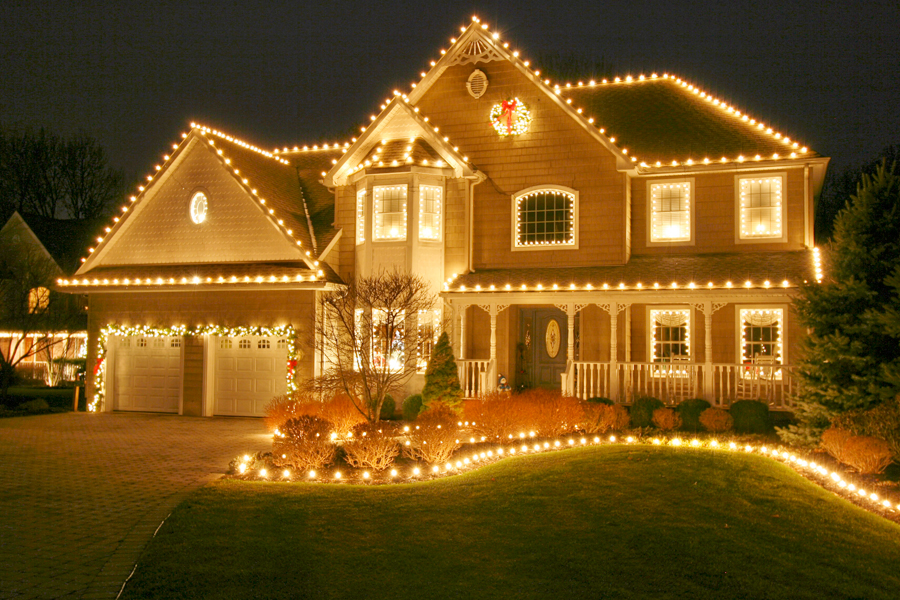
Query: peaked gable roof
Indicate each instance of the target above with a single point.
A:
(61, 239)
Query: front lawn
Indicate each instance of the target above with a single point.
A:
(602, 522)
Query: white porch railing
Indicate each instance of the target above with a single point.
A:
(674, 382)
(474, 376)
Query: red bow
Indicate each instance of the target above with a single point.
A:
(98, 365)
(509, 108)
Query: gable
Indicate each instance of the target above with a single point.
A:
(159, 229)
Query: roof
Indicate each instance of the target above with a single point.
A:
(390, 154)
(666, 119)
(64, 239)
(645, 271)
(309, 166)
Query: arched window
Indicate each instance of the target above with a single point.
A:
(545, 216)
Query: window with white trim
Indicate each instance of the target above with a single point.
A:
(761, 207)
(390, 212)
(545, 216)
(361, 216)
(426, 337)
(388, 339)
(430, 212)
(670, 211)
(670, 333)
(762, 335)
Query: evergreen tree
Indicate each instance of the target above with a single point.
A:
(442, 376)
(851, 358)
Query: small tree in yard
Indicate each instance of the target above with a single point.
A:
(366, 334)
(851, 359)
(442, 376)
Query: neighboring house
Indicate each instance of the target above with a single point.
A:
(42, 331)
(610, 238)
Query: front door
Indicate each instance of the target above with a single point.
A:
(543, 344)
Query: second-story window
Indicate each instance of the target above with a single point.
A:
(761, 207)
(390, 212)
(361, 216)
(429, 212)
(670, 211)
(545, 217)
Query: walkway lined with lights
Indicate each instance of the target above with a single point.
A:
(84, 493)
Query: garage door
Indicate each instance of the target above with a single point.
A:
(250, 371)
(147, 373)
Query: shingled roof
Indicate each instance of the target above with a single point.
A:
(309, 166)
(64, 239)
(665, 119)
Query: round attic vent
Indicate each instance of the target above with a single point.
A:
(477, 84)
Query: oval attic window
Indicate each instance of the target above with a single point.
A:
(198, 208)
(477, 84)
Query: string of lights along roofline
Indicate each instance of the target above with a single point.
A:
(527, 445)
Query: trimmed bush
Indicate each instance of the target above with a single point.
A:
(289, 406)
(600, 418)
(882, 422)
(545, 412)
(305, 443)
(666, 419)
(388, 407)
(412, 406)
(434, 437)
(690, 411)
(716, 420)
(342, 413)
(372, 446)
(642, 411)
(867, 454)
(833, 441)
(751, 416)
(600, 400)
(442, 376)
(34, 405)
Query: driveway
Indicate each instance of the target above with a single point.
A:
(82, 494)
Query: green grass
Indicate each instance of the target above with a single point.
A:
(611, 522)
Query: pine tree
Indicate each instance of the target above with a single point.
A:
(442, 376)
(851, 358)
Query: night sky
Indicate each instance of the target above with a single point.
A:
(134, 74)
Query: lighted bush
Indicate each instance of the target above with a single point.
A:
(716, 420)
(867, 454)
(751, 416)
(305, 443)
(545, 412)
(600, 418)
(282, 408)
(434, 437)
(372, 446)
(833, 441)
(388, 407)
(342, 413)
(666, 419)
(412, 406)
(882, 422)
(690, 411)
(642, 411)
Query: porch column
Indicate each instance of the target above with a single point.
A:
(493, 310)
(628, 333)
(462, 332)
(614, 350)
(708, 384)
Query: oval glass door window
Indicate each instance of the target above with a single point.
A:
(551, 338)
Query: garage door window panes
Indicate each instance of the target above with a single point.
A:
(263, 344)
(244, 344)
(224, 343)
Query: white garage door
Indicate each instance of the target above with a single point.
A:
(147, 373)
(250, 371)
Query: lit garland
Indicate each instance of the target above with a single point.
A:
(286, 332)
(526, 444)
(195, 280)
(510, 117)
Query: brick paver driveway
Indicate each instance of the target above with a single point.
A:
(82, 494)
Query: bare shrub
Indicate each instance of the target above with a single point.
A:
(342, 413)
(716, 420)
(305, 443)
(867, 454)
(288, 406)
(600, 418)
(494, 415)
(434, 436)
(833, 441)
(372, 446)
(666, 419)
(545, 412)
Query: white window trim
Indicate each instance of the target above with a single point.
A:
(739, 329)
(514, 217)
(651, 329)
(440, 212)
(360, 215)
(691, 213)
(375, 237)
(739, 237)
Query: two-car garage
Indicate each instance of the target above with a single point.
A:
(239, 375)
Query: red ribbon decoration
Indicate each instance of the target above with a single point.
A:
(98, 365)
(509, 108)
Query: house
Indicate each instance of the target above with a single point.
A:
(609, 238)
(42, 331)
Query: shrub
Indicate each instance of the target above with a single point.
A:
(716, 420)
(412, 406)
(306, 443)
(282, 408)
(867, 454)
(666, 419)
(690, 411)
(833, 441)
(600, 418)
(545, 412)
(372, 446)
(442, 376)
(642, 411)
(882, 422)
(751, 416)
(34, 405)
(342, 413)
(434, 437)
(388, 407)
(600, 400)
